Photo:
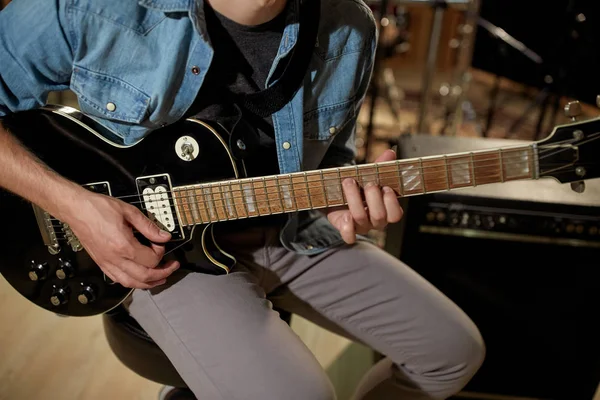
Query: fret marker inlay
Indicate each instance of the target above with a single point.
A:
(412, 178)
(249, 197)
(460, 171)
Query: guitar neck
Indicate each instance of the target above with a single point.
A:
(262, 196)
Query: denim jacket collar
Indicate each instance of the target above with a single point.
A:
(167, 5)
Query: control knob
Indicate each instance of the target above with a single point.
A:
(87, 294)
(65, 269)
(38, 271)
(60, 296)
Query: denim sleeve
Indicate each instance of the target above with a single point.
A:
(342, 151)
(35, 53)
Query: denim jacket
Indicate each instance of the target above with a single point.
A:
(136, 66)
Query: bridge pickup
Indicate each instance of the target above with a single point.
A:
(156, 195)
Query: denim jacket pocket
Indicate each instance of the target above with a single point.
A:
(109, 98)
(325, 122)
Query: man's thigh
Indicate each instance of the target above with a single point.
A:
(366, 294)
(225, 340)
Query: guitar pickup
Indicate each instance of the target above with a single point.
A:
(156, 195)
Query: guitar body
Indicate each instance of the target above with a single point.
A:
(45, 263)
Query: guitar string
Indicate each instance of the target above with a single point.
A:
(276, 195)
(382, 175)
(471, 161)
(223, 209)
(497, 156)
(413, 166)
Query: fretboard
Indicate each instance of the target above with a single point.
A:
(255, 197)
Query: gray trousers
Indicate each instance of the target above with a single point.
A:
(227, 343)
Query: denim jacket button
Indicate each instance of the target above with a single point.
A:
(195, 70)
(286, 145)
(332, 130)
(111, 107)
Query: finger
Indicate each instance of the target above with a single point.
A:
(148, 257)
(146, 227)
(146, 275)
(377, 212)
(120, 277)
(347, 229)
(388, 155)
(392, 205)
(355, 203)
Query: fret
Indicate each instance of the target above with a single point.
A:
(183, 206)
(447, 173)
(435, 175)
(202, 207)
(422, 175)
(473, 170)
(323, 187)
(307, 191)
(260, 196)
(249, 198)
(486, 168)
(274, 196)
(412, 178)
(293, 193)
(400, 180)
(341, 185)
(218, 201)
(226, 195)
(238, 199)
(190, 215)
(209, 203)
(517, 164)
(213, 203)
(367, 175)
(285, 188)
(357, 177)
(333, 188)
(301, 194)
(460, 172)
(501, 162)
(315, 190)
(267, 196)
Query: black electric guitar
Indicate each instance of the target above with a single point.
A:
(186, 179)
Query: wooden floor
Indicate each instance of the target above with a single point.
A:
(46, 357)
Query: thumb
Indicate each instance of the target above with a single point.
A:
(388, 155)
(146, 227)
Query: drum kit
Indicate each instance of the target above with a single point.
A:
(394, 38)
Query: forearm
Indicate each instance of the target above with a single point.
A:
(25, 175)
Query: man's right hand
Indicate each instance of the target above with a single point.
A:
(104, 226)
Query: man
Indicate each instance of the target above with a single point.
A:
(138, 66)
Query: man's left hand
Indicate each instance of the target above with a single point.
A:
(382, 207)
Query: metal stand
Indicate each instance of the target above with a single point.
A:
(434, 42)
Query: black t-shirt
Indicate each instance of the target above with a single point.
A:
(242, 60)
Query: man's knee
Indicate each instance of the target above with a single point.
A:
(298, 381)
(288, 380)
(468, 354)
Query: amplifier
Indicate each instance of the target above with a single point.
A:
(522, 259)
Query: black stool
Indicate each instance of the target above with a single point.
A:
(138, 352)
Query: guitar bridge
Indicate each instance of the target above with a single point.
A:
(48, 227)
(158, 202)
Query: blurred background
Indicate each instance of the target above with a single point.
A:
(450, 76)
